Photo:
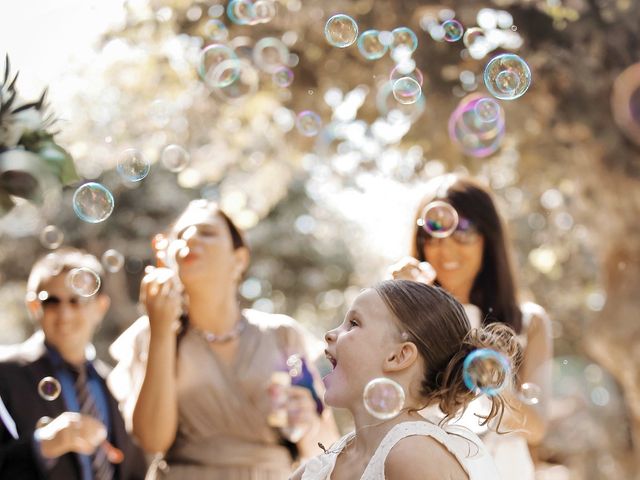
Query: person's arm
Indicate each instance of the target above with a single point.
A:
(532, 418)
(155, 415)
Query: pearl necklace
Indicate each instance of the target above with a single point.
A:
(225, 337)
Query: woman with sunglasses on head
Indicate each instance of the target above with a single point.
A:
(201, 368)
(473, 263)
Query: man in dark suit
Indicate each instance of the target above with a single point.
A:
(76, 431)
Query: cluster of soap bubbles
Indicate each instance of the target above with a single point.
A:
(248, 12)
(383, 398)
(439, 219)
(477, 125)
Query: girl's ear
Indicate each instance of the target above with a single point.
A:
(405, 355)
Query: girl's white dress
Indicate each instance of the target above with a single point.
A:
(460, 441)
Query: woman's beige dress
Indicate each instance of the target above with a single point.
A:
(222, 424)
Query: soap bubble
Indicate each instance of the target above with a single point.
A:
(453, 30)
(83, 281)
(370, 45)
(112, 261)
(92, 202)
(308, 123)
(174, 158)
(341, 31)
(51, 237)
(383, 398)
(486, 371)
(439, 219)
(132, 165)
(49, 388)
(507, 76)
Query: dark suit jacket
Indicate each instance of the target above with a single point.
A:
(21, 368)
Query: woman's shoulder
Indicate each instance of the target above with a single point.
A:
(135, 336)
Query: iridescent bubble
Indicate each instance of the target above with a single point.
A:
(92, 202)
(245, 84)
(406, 90)
(132, 165)
(211, 58)
(112, 260)
(403, 37)
(486, 371)
(487, 109)
(295, 365)
(43, 422)
(472, 35)
(174, 158)
(216, 30)
(439, 219)
(341, 31)
(386, 38)
(51, 237)
(472, 133)
(383, 398)
(530, 393)
(83, 281)
(308, 123)
(453, 30)
(370, 45)
(399, 72)
(507, 76)
(49, 388)
(241, 12)
(264, 11)
(270, 53)
(394, 111)
(282, 77)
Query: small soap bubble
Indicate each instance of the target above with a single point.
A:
(132, 165)
(49, 388)
(112, 260)
(241, 12)
(308, 123)
(282, 77)
(407, 90)
(507, 76)
(487, 109)
(403, 37)
(486, 371)
(264, 11)
(439, 219)
(383, 398)
(399, 72)
(530, 393)
(174, 158)
(92, 202)
(453, 30)
(216, 30)
(51, 237)
(83, 281)
(371, 46)
(341, 31)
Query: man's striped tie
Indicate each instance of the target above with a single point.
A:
(100, 466)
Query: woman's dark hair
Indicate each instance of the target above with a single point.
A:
(438, 325)
(494, 289)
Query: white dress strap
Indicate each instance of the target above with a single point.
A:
(460, 442)
(321, 467)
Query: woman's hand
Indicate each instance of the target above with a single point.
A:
(160, 293)
(411, 269)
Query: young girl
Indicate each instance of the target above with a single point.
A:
(418, 336)
(474, 265)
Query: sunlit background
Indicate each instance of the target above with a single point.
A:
(329, 206)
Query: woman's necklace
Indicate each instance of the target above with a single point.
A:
(224, 337)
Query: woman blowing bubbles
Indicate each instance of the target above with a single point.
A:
(472, 262)
(200, 392)
(417, 338)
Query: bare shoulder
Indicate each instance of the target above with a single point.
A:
(422, 458)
